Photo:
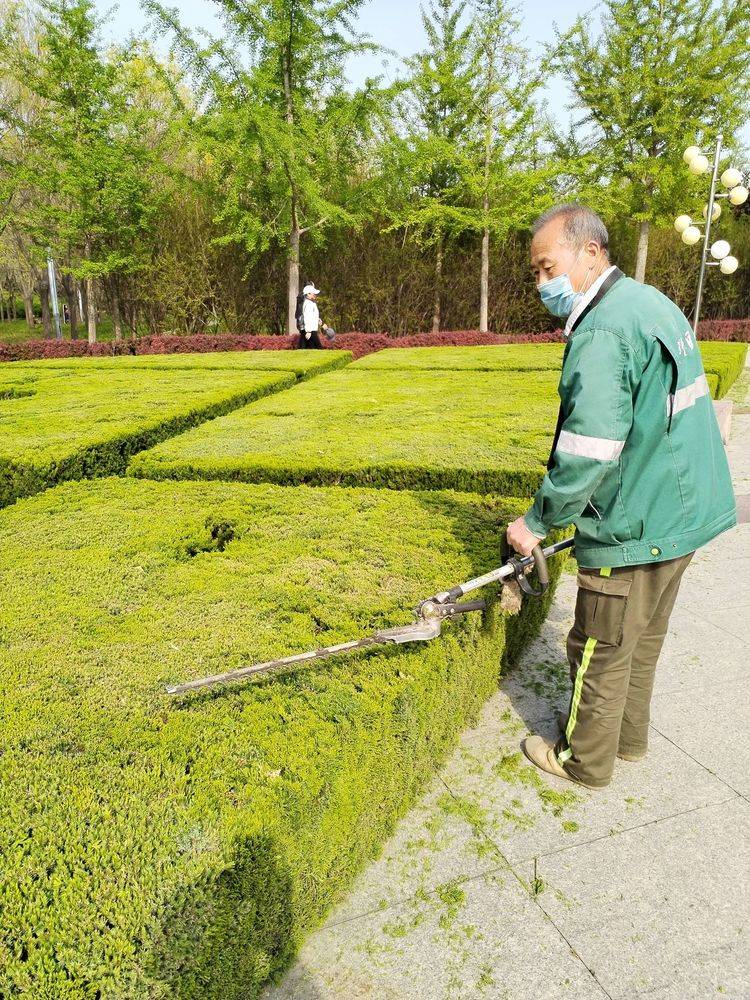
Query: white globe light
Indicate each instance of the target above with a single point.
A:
(731, 177)
(720, 249)
(682, 222)
(698, 165)
(738, 195)
(716, 212)
(691, 235)
(729, 265)
(690, 153)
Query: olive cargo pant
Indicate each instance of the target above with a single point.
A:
(620, 623)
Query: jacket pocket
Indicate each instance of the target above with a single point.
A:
(601, 605)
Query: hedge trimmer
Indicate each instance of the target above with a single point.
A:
(429, 617)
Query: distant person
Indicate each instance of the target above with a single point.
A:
(308, 320)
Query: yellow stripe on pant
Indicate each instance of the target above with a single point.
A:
(588, 652)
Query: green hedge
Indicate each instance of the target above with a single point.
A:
(725, 361)
(475, 431)
(511, 357)
(303, 363)
(62, 426)
(179, 849)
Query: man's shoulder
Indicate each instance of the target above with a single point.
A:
(636, 312)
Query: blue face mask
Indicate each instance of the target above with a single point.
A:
(558, 295)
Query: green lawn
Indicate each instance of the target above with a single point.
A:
(15, 331)
(157, 847)
(301, 362)
(458, 430)
(63, 425)
(506, 357)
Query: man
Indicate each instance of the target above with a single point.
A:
(308, 319)
(638, 466)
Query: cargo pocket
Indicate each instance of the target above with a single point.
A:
(600, 606)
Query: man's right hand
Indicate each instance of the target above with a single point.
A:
(307, 336)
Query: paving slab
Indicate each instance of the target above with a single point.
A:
(484, 938)
(713, 727)
(661, 910)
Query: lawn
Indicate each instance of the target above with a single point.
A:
(510, 357)
(466, 430)
(180, 848)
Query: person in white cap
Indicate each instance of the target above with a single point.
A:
(308, 318)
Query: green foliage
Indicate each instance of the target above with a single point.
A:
(180, 848)
(521, 357)
(475, 431)
(661, 75)
(67, 425)
(725, 362)
(303, 363)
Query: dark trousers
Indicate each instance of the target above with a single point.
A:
(312, 344)
(621, 620)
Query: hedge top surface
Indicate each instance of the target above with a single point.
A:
(483, 431)
(137, 831)
(725, 361)
(511, 357)
(281, 360)
(55, 415)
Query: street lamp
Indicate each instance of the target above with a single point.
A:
(736, 191)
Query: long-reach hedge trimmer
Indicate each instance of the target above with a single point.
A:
(430, 615)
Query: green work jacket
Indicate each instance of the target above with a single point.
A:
(638, 463)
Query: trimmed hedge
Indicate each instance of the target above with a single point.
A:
(726, 362)
(62, 425)
(303, 363)
(179, 849)
(475, 431)
(524, 357)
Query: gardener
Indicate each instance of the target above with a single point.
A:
(308, 318)
(637, 465)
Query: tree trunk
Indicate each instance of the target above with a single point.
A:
(90, 299)
(28, 308)
(438, 283)
(2, 305)
(70, 287)
(642, 253)
(484, 298)
(293, 273)
(43, 287)
(116, 316)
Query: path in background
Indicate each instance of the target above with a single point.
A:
(502, 883)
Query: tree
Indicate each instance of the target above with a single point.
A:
(86, 175)
(286, 136)
(510, 175)
(427, 154)
(659, 76)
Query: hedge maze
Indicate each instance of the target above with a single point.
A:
(180, 848)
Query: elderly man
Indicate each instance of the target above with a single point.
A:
(638, 466)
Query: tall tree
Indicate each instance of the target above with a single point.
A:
(660, 75)
(86, 174)
(427, 155)
(510, 174)
(285, 133)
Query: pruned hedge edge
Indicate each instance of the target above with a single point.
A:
(725, 361)
(181, 849)
(24, 472)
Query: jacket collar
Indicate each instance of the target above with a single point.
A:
(592, 297)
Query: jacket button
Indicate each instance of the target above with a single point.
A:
(655, 551)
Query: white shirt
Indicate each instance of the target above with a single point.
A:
(310, 316)
(587, 297)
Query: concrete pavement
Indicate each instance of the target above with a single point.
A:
(502, 883)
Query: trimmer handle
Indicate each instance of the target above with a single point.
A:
(521, 564)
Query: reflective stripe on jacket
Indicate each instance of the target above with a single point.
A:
(639, 466)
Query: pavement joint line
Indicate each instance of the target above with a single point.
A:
(695, 759)
(718, 628)
(629, 829)
(534, 897)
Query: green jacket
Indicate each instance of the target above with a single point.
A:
(638, 464)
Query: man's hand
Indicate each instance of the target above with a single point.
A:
(520, 538)
(307, 336)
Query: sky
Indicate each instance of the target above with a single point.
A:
(395, 24)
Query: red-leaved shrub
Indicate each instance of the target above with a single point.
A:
(359, 344)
